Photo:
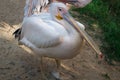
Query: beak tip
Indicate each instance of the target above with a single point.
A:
(101, 55)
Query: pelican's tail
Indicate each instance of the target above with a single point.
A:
(34, 6)
(17, 33)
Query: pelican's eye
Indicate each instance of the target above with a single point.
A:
(58, 16)
(60, 9)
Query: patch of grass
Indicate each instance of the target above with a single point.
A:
(98, 12)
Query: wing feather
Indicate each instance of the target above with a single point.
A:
(40, 33)
(33, 6)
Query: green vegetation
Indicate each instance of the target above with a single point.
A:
(105, 14)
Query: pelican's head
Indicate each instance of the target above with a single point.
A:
(57, 9)
(59, 13)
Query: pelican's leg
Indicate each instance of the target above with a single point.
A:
(58, 63)
(42, 70)
(82, 44)
(30, 45)
(56, 73)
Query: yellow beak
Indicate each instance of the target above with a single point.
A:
(59, 17)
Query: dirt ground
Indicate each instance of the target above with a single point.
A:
(18, 63)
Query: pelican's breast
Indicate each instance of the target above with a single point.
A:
(68, 49)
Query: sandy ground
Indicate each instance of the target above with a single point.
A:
(18, 63)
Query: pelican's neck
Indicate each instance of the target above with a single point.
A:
(69, 28)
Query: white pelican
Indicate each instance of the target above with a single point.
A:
(56, 36)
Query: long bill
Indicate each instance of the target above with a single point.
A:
(90, 41)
